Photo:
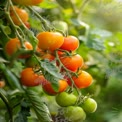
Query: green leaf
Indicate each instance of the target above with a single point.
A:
(51, 73)
(95, 43)
(39, 107)
(10, 77)
(24, 113)
(3, 60)
(47, 4)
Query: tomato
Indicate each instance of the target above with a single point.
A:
(30, 78)
(27, 2)
(50, 40)
(48, 56)
(83, 80)
(13, 45)
(74, 113)
(71, 43)
(49, 89)
(2, 84)
(60, 25)
(32, 62)
(23, 15)
(89, 105)
(64, 99)
(72, 63)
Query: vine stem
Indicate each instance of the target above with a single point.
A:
(43, 21)
(67, 71)
(16, 28)
(5, 100)
(82, 7)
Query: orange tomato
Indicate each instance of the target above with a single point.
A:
(50, 40)
(83, 80)
(2, 84)
(30, 78)
(72, 63)
(23, 15)
(27, 2)
(71, 43)
(49, 89)
(13, 45)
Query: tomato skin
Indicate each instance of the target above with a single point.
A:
(27, 2)
(21, 13)
(74, 113)
(83, 80)
(29, 78)
(48, 56)
(49, 89)
(72, 63)
(13, 45)
(50, 40)
(90, 105)
(27, 24)
(71, 43)
(64, 99)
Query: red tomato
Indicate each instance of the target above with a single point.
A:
(72, 63)
(71, 43)
(83, 80)
(50, 40)
(49, 89)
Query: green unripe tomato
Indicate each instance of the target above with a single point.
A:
(64, 99)
(90, 105)
(74, 113)
(60, 25)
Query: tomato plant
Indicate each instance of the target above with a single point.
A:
(40, 62)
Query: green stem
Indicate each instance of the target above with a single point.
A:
(85, 2)
(43, 21)
(5, 100)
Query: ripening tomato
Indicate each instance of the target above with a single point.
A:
(27, 2)
(23, 15)
(83, 80)
(13, 45)
(71, 43)
(72, 63)
(50, 40)
(29, 78)
(48, 56)
(47, 87)
(2, 84)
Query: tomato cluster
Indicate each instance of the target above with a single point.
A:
(60, 51)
